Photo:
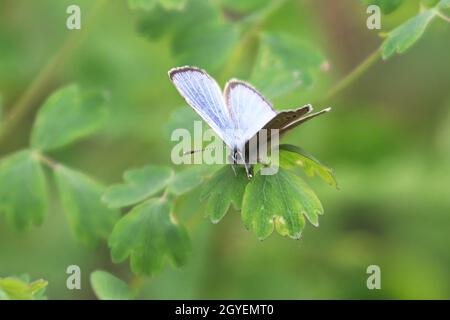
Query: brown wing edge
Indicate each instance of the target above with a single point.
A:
(176, 70)
(292, 125)
(286, 117)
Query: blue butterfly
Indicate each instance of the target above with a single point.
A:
(239, 113)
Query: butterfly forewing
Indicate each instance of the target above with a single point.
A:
(203, 94)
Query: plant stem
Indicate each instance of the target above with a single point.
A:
(352, 76)
(442, 16)
(251, 31)
(37, 87)
(49, 162)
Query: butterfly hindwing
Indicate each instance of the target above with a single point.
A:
(283, 118)
(301, 120)
(249, 110)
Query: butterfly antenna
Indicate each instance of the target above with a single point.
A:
(199, 150)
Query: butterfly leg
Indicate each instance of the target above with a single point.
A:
(248, 170)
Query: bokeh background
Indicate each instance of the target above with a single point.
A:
(387, 139)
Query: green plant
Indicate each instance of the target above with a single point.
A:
(150, 228)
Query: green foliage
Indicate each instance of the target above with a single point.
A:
(80, 195)
(243, 6)
(403, 37)
(108, 287)
(225, 188)
(443, 4)
(386, 6)
(189, 42)
(284, 64)
(67, 115)
(292, 156)
(279, 201)
(23, 189)
(151, 4)
(139, 185)
(1, 109)
(188, 179)
(19, 288)
(147, 234)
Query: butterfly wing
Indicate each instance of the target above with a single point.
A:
(203, 94)
(249, 110)
(283, 118)
(286, 121)
(291, 125)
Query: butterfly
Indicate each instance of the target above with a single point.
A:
(237, 114)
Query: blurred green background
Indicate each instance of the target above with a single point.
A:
(387, 139)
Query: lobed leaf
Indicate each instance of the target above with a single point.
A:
(443, 4)
(151, 4)
(279, 201)
(284, 64)
(403, 37)
(386, 6)
(90, 220)
(108, 287)
(139, 184)
(15, 288)
(225, 188)
(293, 156)
(189, 42)
(23, 189)
(147, 234)
(188, 179)
(68, 115)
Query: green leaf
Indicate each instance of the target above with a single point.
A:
(284, 64)
(194, 46)
(108, 287)
(23, 189)
(244, 6)
(173, 4)
(90, 220)
(293, 156)
(403, 37)
(142, 4)
(443, 4)
(139, 185)
(14, 288)
(188, 179)
(386, 6)
(1, 110)
(68, 115)
(189, 42)
(150, 4)
(226, 187)
(279, 201)
(147, 234)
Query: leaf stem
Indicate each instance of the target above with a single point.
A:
(36, 88)
(49, 162)
(345, 82)
(442, 16)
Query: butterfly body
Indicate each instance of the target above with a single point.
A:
(238, 114)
